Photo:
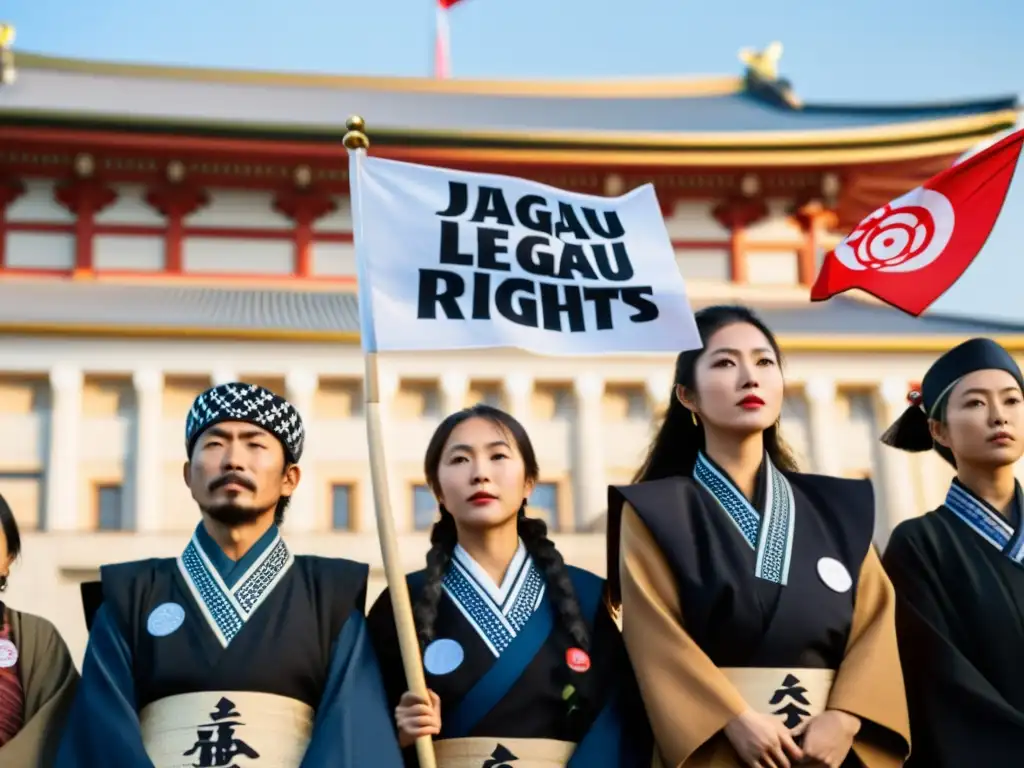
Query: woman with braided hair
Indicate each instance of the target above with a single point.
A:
(522, 658)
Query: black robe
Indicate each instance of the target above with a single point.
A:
(960, 623)
(775, 585)
(272, 623)
(608, 707)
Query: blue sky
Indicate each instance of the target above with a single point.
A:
(888, 51)
(864, 50)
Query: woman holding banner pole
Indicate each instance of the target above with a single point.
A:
(522, 658)
(754, 606)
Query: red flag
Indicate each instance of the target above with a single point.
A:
(442, 54)
(441, 65)
(909, 252)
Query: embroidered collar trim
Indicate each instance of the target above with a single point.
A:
(499, 593)
(769, 532)
(226, 610)
(497, 613)
(986, 521)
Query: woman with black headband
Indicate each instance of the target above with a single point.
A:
(958, 570)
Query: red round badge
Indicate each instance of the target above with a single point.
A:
(577, 659)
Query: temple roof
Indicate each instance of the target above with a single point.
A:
(714, 114)
(110, 308)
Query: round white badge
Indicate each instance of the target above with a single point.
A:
(834, 575)
(443, 656)
(8, 654)
(165, 619)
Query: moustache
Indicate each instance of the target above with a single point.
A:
(245, 482)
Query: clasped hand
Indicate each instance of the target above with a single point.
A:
(762, 741)
(415, 717)
(827, 738)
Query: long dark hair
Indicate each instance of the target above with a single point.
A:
(533, 532)
(674, 449)
(10, 529)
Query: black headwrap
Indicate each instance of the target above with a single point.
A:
(910, 431)
(251, 404)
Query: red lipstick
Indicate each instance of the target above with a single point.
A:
(751, 403)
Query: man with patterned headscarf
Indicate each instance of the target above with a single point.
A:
(236, 648)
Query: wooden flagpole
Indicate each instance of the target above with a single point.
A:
(356, 142)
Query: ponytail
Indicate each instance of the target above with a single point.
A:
(911, 431)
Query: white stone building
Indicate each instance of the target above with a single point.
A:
(165, 229)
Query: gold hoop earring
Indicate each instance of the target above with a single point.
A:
(693, 415)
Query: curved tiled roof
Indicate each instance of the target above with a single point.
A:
(175, 308)
(693, 112)
(112, 308)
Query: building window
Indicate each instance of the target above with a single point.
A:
(553, 401)
(424, 507)
(543, 504)
(417, 400)
(22, 491)
(341, 506)
(488, 393)
(109, 512)
(625, 402)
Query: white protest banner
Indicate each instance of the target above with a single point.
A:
(460, 260)
(455, 260)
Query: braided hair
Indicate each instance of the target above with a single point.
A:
(533, 532)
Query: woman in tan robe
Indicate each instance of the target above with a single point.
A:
(754, 607)
(37, 675)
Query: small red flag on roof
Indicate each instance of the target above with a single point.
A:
(442, 52)
(910, 252)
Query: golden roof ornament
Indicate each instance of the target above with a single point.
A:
(763, 64)
(7, 72)
(762, 76)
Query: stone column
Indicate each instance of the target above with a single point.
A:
(518, 392)
(454, 391)
(814, 218)
(736, 215)
(300, 390)
(589, 470)
(145, 502)
(824, 440)
(62, 470)
(896, 487)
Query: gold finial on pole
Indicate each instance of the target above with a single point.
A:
(356, 137)
(7, 71)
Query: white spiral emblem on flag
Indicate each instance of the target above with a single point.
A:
(906, 235)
